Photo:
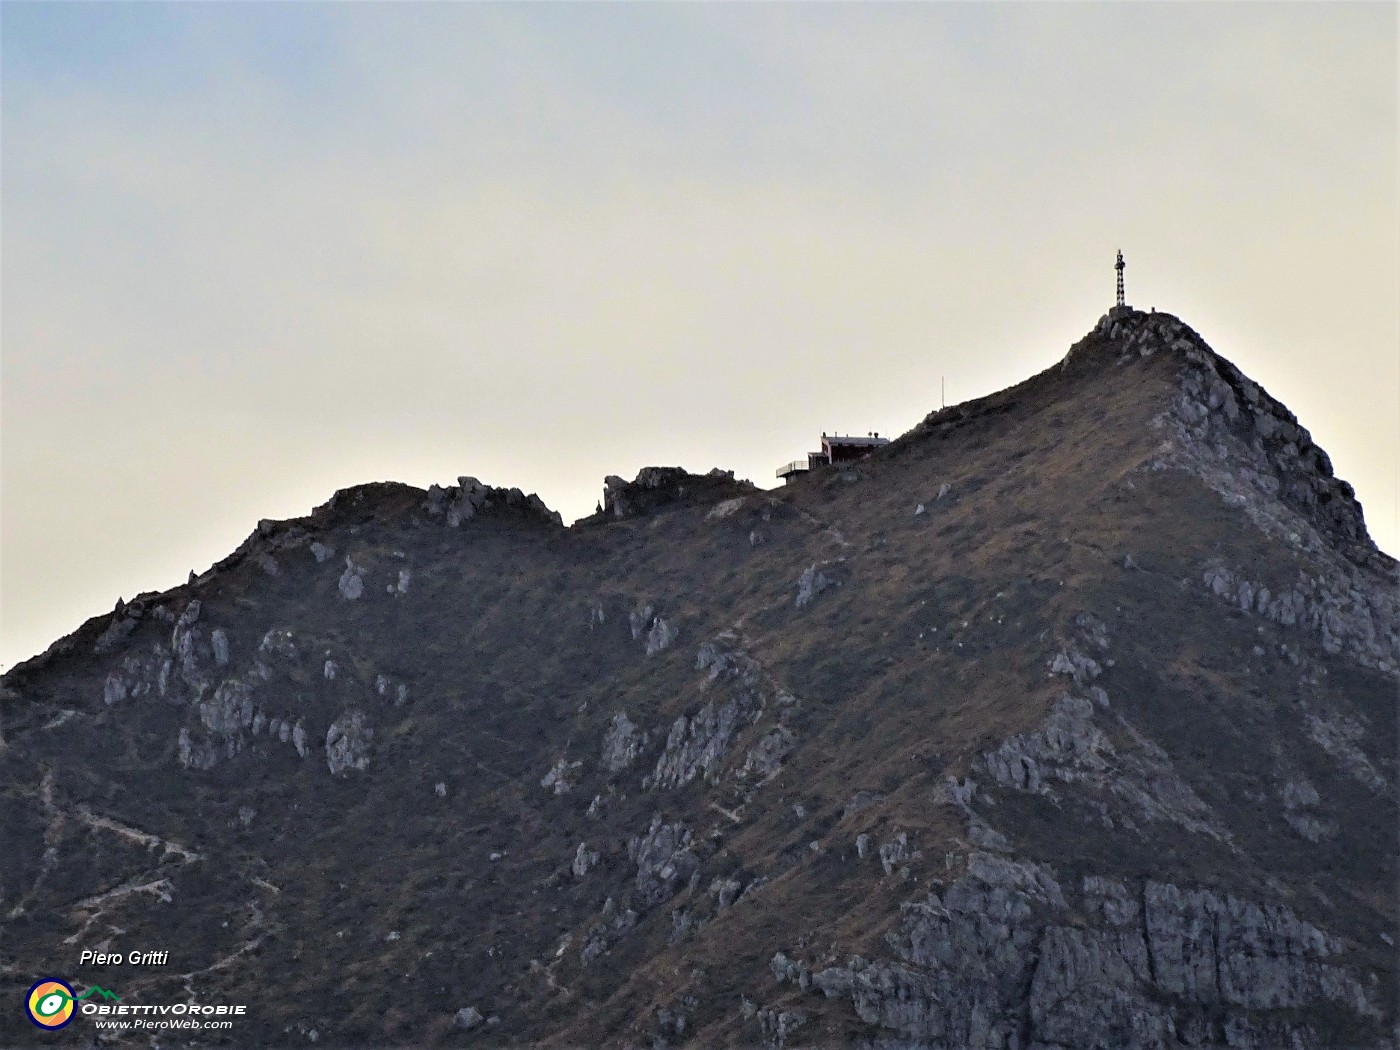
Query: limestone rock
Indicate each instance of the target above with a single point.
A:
(114, 689)
(219, 642)
(696, 745)
(894, 852)
(725, 508)
(660, 636)
(117, 632)
(1211, 948)
(613, 499)
(663, 859)
(614, 923)
(1251, 450)
(469, 497)
(810, 584)
(279, 643)
(622, 742)
(1083, 669)
(860, 801)
(348, 743)
(765, 759)
(725, 891)
(395, 692)
(584, 860)
(640, 619)
(1070, 749)
(195, 754)
(1340, 606)
(655, 487)
(467, 1018)
(1338, 734)
(1153, 963)
(779, 1025)
(560, 777)
(351, 583)
(229, 710)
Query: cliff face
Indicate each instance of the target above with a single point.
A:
(1068, 720)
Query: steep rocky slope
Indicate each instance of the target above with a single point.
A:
(1068, 720)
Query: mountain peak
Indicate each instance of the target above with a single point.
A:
(1229, 431)
(959, 744)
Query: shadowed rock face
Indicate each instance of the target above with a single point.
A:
(1067, 720)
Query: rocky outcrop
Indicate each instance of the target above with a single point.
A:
(351, 583)
(613, 924)
(664, 860)
(810, 584)
(622, 743)
(1338, 734)
(723, 661)
(779, 1025)
(1348, 610)
(1208, 947)
(348, 743)
(560, 777)
(393, 691)
(1069, 748)
(218, 641)
(123, 623)
(467, 1018)
(765, 759)
(660, 637)
(584, 860)
(1300, 800)
(645, 624)
(189, 650)
(962, 959)
(1249, 448)
(640, 619)
(697, 745)
(725, 508)
(655, 487)
(895, 852)
(992, 957)
(141, 675)
(228, 714)
(460, 503)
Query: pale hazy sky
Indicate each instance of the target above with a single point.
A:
(253, 254)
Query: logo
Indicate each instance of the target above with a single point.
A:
(50, 1001)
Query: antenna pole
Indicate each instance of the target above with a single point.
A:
(943, 392)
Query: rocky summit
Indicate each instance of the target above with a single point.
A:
(1067, 720)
